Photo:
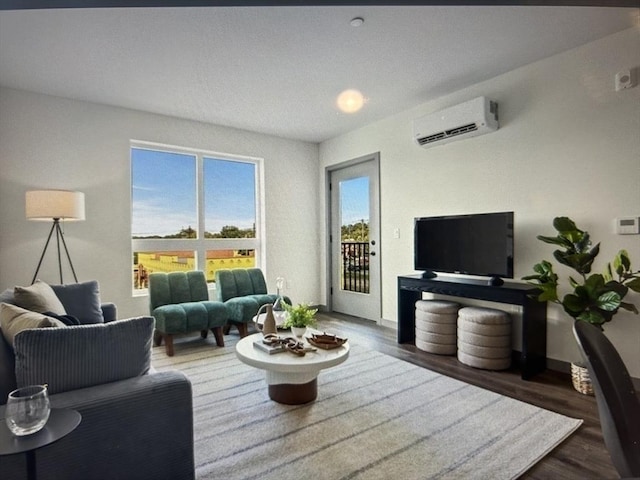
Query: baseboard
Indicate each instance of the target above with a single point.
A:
(388, 324)
(565, 367)
(558, 366)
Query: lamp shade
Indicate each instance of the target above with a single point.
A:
(50, 204)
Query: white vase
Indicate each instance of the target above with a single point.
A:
(298, 331)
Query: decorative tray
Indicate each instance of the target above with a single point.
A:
(326, 341)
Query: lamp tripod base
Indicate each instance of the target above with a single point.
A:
(59, 238)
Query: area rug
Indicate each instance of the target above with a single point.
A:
(376, 417)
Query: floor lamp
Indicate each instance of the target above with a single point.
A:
(55, 205)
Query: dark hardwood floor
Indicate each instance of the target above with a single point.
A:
(582, 456)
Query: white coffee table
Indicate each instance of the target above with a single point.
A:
(291, 379)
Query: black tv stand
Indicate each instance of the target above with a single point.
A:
(495, 281)
(532, 359)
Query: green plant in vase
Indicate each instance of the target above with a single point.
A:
(594, 297)
(300, 316)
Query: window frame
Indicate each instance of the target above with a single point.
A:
(200, 245)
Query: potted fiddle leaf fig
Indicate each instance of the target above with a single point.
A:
(594, 297)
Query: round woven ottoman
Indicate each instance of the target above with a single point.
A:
(436, 322)
(484, 338)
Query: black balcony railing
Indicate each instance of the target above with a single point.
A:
(355, 266)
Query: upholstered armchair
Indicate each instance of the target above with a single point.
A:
(243, 292)
(179, 301)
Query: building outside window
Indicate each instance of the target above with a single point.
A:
(192, 210)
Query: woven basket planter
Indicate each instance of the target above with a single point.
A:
(581, 379)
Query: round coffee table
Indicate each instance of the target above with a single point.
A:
(291, 379)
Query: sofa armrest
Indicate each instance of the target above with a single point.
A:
(109, 311)
(138, 428)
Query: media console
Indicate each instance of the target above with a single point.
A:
(533, 358)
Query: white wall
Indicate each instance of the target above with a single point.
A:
(568, 145)
(49, 142)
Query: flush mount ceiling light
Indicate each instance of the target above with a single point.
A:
(350, 101)
(356, 22)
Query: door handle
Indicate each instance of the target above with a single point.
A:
(373, 254)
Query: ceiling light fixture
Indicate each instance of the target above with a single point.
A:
(350, 101)
(356, 22)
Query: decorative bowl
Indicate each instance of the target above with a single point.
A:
(326, 341)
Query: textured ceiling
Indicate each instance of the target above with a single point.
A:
(278, 70)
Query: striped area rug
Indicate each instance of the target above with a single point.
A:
(376, 417)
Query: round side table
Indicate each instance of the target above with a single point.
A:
(61, 422)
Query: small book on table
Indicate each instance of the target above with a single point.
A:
(270, 349)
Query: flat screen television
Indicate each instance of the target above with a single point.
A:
(477, 244)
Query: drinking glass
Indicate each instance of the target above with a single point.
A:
(27, 410)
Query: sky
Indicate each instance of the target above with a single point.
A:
(354, 200)
(164, 193)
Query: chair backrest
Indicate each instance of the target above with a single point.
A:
(177, 287)
(239, 282)
(618, 404)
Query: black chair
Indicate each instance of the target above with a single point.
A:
(618, 404)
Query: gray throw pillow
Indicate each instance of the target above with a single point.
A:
(7, 296)
(14, 320)
(84, 355)
(81, 300)
(38, 297)
(7, 370)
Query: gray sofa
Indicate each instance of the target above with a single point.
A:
(136, 423)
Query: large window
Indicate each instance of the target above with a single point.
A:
(192, 210)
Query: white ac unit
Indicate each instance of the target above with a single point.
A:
(468, 119)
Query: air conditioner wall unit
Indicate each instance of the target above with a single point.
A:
(465, 120)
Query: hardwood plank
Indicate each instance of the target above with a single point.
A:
(582, 456)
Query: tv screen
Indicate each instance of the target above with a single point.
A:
(478, 244)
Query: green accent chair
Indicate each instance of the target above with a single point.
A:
(243, 291)
(179, 301)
